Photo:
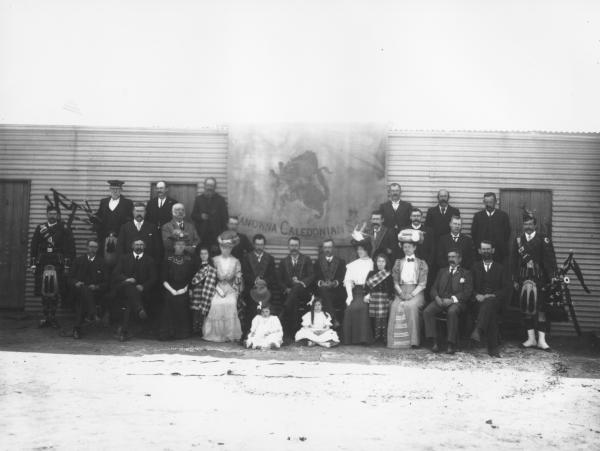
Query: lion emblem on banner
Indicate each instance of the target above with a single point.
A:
(302, 179)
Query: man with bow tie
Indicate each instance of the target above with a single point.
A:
(533, 261)
(296, 275)
(396, 212)
(491, 286)
(450, 292)
(89, 280)
(52, 251)
(135, 278)
(158, 209)
(455, 239)
(257, 266)
(384, 240)
(329, 282)
(179, 227)
(140, 229)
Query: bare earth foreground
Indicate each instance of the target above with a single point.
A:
(57, 393)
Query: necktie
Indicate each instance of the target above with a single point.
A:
(137, 258)
(455, 238)
(160, 203)
(181, 225)
(487, 267)
(410, 259)
(443, 211)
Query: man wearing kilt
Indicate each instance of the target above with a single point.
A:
(533, 266)
(379, 289)
(52, 251)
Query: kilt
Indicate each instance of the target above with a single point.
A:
(379, 305)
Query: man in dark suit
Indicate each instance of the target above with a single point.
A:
(179, 227)
(438, 217)
(396, 212)
(329, 282)
(296, 274)
(426, 248)
(455, 239)
(210, 214)
(158, 209)
(140, 229)
(135, 279)
(450, 292)
(113, 212)
(243, 245)
(492, 224)
(256, 265)
(490, 291)
(89, 280)
(384, 240)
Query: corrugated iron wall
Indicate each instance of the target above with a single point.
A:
(78, 160)
(471, 163)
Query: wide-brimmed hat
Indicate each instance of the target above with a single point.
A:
(228, 238)
(260, 293)
(411, 236)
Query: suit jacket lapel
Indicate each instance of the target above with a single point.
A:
(379, 238)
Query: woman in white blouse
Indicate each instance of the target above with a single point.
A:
(357, 326)
(410, 279)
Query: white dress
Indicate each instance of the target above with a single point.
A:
(222, 322)
(319, 330)
(265, 332)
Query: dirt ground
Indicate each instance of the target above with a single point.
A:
(98, 393)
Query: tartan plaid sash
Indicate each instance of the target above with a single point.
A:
(377, 278)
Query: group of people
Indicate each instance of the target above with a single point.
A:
(204, 277)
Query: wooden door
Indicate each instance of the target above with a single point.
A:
(182, 192)
(14, 204)
(515, 201)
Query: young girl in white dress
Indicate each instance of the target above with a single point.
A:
(266, 331)
(316, 327)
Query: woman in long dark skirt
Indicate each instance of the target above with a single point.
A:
(356, 326)
(177, 272)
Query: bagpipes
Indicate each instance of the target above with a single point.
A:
(559, 294)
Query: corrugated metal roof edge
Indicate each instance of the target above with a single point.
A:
(224, 128)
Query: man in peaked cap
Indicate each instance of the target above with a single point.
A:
(113, 212)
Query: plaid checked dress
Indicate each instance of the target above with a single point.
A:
(380, 287)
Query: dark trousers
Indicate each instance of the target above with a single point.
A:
(85, 303)
(290, 316)
(131, 301)
(452, 321)
(487, 320)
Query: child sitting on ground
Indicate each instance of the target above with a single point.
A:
(316, 327)
(266, 331)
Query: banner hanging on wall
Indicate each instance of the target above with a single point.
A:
(310, 181)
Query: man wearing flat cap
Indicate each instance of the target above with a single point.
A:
(113, 212)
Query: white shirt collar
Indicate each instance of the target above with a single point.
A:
(138, 224)
(91, 258)
(490, 214)
(455, 236)
(416, 228)
(395, 203)
(530, 236)
(136, 255)
(329, 258)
